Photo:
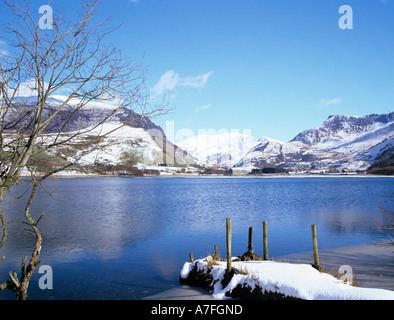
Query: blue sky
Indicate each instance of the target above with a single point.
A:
(274, 67)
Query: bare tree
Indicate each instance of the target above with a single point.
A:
(68, 68)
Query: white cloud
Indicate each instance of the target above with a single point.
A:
(170, 80)
(134, 3)
(329, 102)
(197, 82)
(204, 107)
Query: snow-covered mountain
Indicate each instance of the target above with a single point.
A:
(91, 113)
(340, 129)
(122, 132)
(116, 140)
(223, 150)
(341, 143)
(271, 153)
(349, 143)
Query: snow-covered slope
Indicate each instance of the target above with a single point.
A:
(223, 149)
(92, 105)
(124, 139)
(340, 143)
(117, 140)
(340, 129)
(121, 130)
(75, 115)
(271, 153)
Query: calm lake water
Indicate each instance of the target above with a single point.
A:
(127, 238)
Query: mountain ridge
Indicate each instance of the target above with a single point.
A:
(340, 125)
(131, 136)
(341, 143)
(91, 113)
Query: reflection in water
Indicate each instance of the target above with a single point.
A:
(351, 221)
(140, 230)
(85, 215)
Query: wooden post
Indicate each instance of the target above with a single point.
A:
(265, 241)
(250, 240)
(228, 244)
(216, 251)
(191, 257)
(315, 249)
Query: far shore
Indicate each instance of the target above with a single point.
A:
(333, 175)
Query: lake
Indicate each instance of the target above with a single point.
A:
(127, 238)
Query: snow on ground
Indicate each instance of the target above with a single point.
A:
(293, 280)
(75, 102)
(119, 139)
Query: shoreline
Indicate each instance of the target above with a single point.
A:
(265, 176)
(372, 265)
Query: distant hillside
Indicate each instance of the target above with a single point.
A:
(341, 143)
(139, 143)
(339, 129)
(90, 114)
(384, 163)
